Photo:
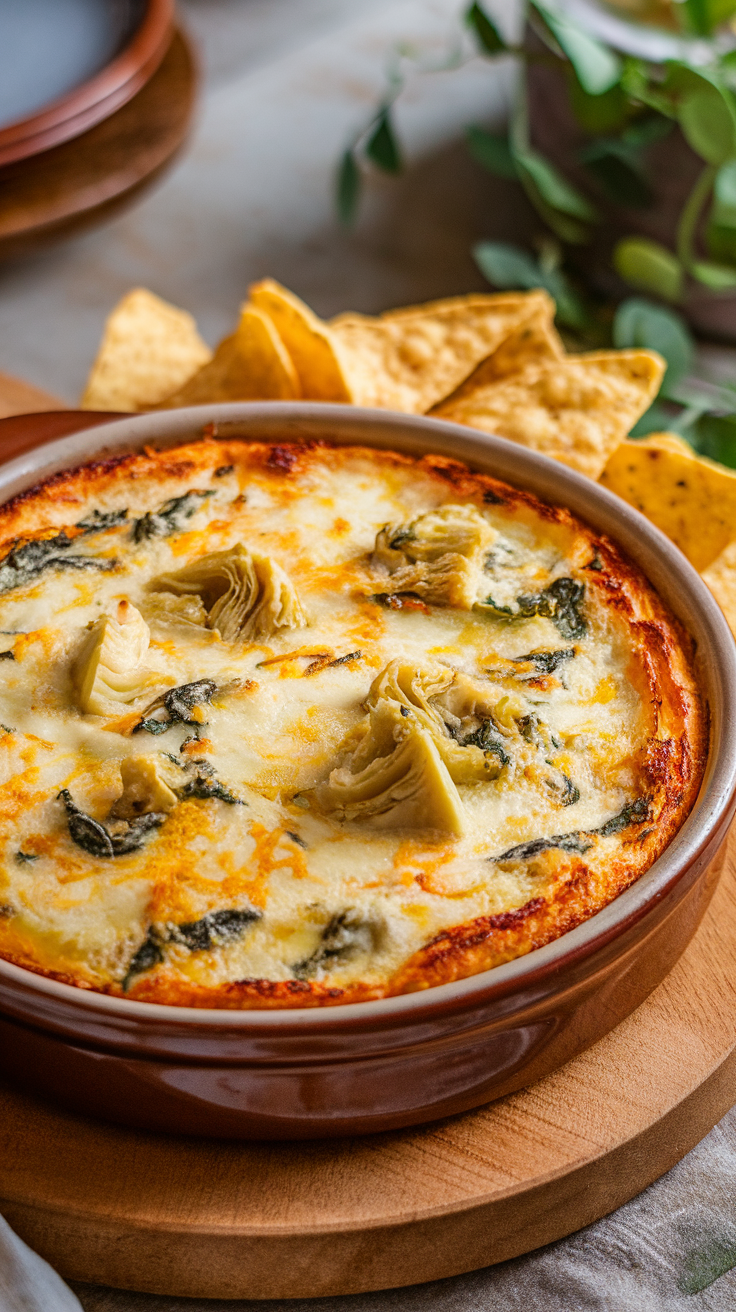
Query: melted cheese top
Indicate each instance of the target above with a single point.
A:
(303, 824)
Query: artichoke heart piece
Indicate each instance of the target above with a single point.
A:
(439, 556)
(456, 713)
(110, 672)
(395, 779)
(246, 596)
(168, 614)
(147, 786)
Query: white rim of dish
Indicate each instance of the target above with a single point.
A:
(416, 434)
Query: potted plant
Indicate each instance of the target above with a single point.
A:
(623, 137)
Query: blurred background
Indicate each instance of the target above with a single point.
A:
(284, 84)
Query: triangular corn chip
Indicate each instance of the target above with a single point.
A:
(410, 359)
(308, 341)
(534, 340)
(403, 360)
(721, 579)
(576, 409)
(692, 500)
(252, 364)
(148, 349)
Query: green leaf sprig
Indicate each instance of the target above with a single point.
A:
(624, 105)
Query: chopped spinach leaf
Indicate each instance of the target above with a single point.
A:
(401, 538)
(6, 728)
(595, 564)
(23, 564)
(148, 955)
(575, 842)
(499, 609)
(180, 702)
(24, 858)
(561, 602)
(348, 933)
(487, 738)
(345, 660)
(178, 705)
(296, 838)
(545, 662)
(562, 785)
(98, 521)
(171, 517)
(87, 833)
(633, 813)
(222, 470)
(96, 839)
(204, 788)
(131, 838)
(529, 729)
(7, 656)
(215, 929)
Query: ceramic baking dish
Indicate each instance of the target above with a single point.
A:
(404, 1060)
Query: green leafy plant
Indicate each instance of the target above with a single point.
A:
(623, 105)
(689, 403)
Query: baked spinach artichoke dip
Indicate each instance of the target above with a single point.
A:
(301, 725)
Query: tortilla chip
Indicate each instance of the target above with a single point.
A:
(577, 409)
(252, 364)
(148, 349)
(307, 339)
(692, 500)
(720, 577)
(410, 359)
(535, 340)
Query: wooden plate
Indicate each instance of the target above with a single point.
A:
(242, 1220)
(51, 44)
(86, 180)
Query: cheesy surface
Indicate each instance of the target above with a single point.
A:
(300, 725)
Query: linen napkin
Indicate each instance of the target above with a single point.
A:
(27, 1283)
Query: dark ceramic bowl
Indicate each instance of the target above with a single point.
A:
(144, 29)
(399, 1061)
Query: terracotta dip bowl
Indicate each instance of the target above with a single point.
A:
(405, 1060)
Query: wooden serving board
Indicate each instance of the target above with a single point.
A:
(205, 1218)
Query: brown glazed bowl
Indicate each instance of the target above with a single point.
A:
(98, 97)
(405, 1060)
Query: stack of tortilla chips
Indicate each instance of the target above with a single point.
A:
(492, 362)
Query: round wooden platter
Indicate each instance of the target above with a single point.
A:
(241, 1220)
(86, 180)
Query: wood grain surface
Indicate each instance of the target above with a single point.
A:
(18, 398)
(240, 1220)
(85, 180)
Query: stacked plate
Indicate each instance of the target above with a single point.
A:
(95, 97)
